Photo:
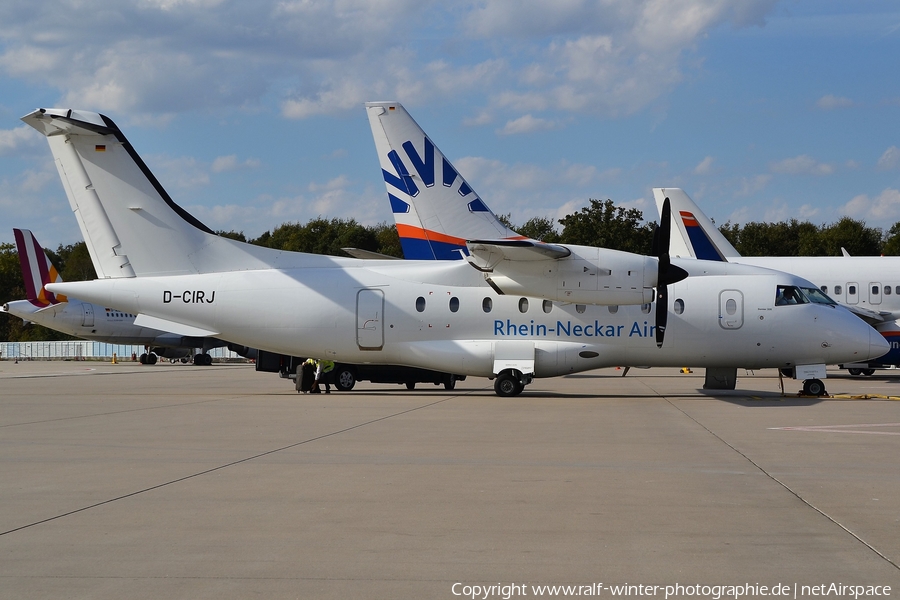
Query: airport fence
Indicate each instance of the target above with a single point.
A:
(85, 350)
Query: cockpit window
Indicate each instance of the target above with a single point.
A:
(789, 294)
(817, 296)
(792, 294)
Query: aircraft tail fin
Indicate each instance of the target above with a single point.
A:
(130, 224)
(699, 237)
(436, 211)
(37, 270)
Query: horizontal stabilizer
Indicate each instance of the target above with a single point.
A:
(172, 326)
(368, 254)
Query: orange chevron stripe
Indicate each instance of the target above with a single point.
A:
(417, 233)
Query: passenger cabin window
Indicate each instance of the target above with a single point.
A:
(548, 306)
(874, 290)
(679, 306)
(523, 305)
(851, 289)
(887, 290)
(645, 308)
(825, 288)
(420, 304)
(838, 290)
(580, 308)
(613, 309)
(454, 304)
(897, 290)
(487, 304)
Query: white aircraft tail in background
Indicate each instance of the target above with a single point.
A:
(145, 233)
(92, 321)
(37, 270)
(867, 285)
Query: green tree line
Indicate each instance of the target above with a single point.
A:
(601, 223)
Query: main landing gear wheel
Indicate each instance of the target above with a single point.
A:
(814, 387)
(855, 371)
(507, 385)
(344, 379)
(868, 372)
(202, 360)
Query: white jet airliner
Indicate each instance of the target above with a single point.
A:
(159, 262)
(868, 285)
(91, 321)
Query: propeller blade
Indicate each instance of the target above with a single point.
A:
(667, 274)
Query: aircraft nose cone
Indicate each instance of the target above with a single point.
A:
(878, 346)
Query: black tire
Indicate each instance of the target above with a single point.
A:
(507, 385)
(344, 378)
(410, 385)
(450, 382)
(813, 387)
(152, 358)
(855, 371)
(144, 358)
(868, 372)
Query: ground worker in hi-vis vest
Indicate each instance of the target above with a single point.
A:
(323, 367)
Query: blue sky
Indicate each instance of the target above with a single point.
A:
(251, 114)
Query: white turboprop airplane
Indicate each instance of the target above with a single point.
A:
(868, 285)
(91, 321)
(436, 210)
(157, 261)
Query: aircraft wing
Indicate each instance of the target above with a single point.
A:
(172, 326)
(870, 316)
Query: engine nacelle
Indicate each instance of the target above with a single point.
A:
(587, 276)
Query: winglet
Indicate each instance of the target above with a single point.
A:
(37, 270)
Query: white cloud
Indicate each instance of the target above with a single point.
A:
(338, 183)
(164, 57)
(526, 124)
(750, 185)
(883, 210)
(802, 165)
(230, 163)
(831, 102)
(890, 159)
(704, 167)
(14, 141)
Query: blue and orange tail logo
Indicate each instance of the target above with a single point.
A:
(704, 248)
(431, 192)
(37, 270)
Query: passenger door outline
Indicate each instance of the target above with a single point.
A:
(874, 292)
(370, 319)
(731, 309)
(87, 315)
